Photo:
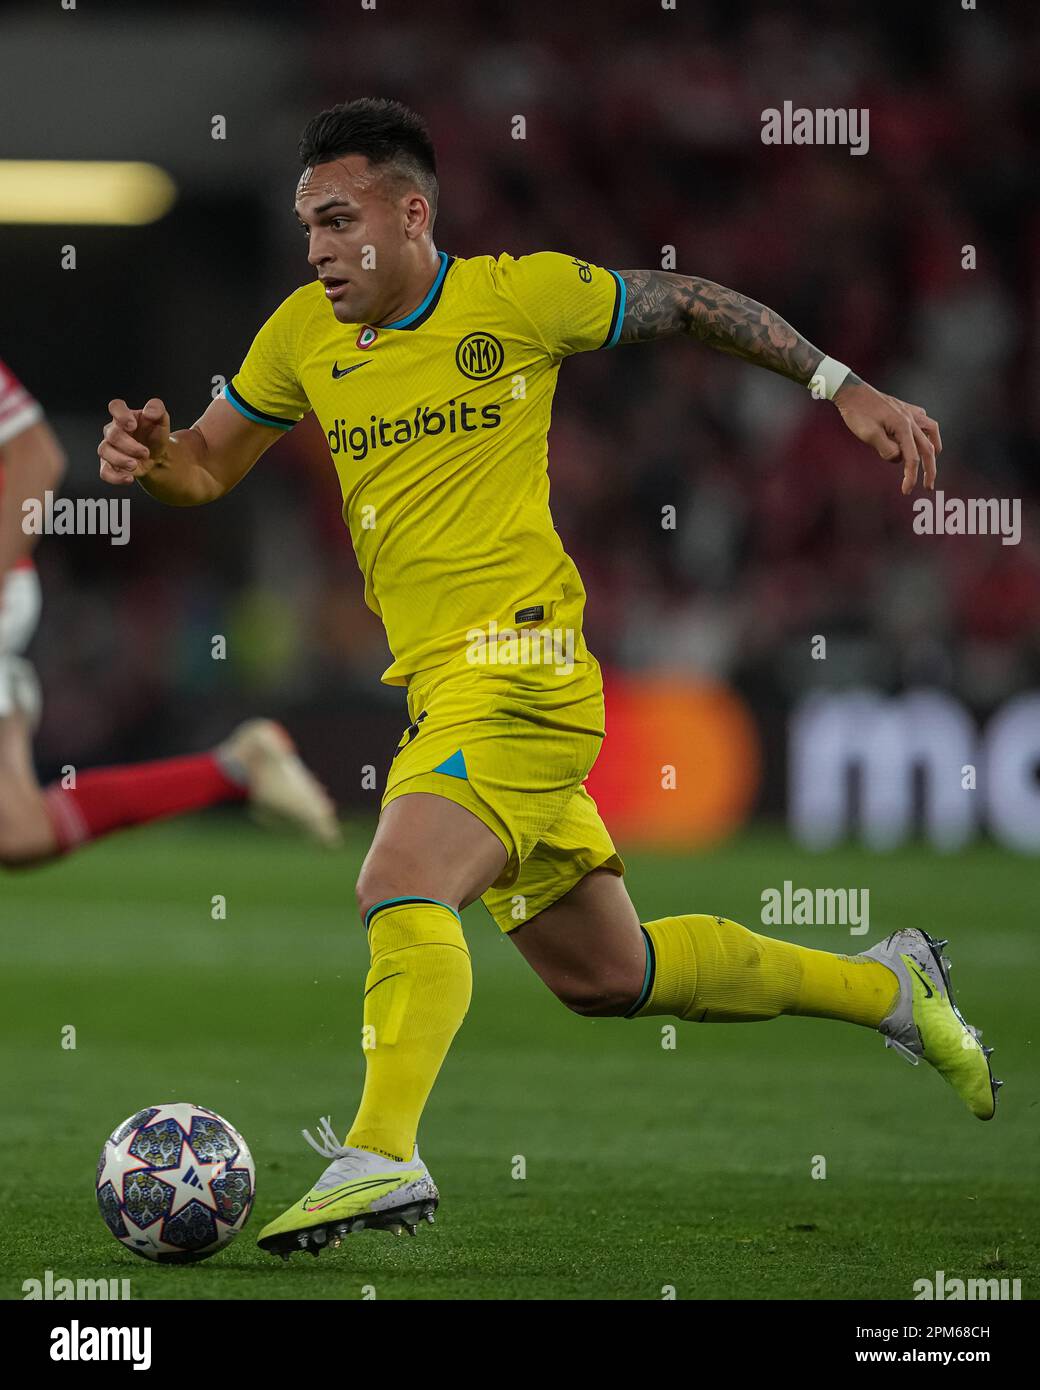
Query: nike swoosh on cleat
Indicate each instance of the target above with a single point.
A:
(337, 371)
(343, 1191)
(923, 981)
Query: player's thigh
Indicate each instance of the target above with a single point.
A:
(427, 846)
(588, 946)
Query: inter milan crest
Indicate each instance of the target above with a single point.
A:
(366, 337)
(478, 356)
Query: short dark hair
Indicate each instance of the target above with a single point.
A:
(386, 132)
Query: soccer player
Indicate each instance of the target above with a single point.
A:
(433, 376)
(257, 762)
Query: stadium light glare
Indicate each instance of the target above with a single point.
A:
(72, 192)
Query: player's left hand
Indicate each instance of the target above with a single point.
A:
(896, 429)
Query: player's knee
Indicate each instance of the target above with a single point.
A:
(382, 880)
(388, 871)
(606, 996)
(371, 888)
(375, 887)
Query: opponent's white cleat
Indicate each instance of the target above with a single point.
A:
(281, 787)
(358, 1190)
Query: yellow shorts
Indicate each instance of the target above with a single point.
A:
(513, 744)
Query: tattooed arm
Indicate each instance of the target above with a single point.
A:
(662, 305)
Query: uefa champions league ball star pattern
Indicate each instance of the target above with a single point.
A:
(175, 1183)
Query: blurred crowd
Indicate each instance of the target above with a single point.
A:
(643, 133)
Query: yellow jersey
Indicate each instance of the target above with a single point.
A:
(437, 425)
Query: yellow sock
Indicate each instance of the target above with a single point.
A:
(416, 996)
(712, 970)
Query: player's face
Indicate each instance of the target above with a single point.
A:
(356, 237)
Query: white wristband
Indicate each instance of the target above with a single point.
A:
(826, 379)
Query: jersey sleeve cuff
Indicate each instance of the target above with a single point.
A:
(618, 315)
(261, 417)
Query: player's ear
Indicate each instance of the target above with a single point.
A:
(417, 219)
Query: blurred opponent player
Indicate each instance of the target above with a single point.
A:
(256, 763)
(433, 379)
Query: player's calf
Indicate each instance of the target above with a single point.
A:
(588, 947)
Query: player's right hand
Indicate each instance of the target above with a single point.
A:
(133, 441)
(896, 429)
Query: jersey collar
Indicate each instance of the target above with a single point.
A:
(420, 314)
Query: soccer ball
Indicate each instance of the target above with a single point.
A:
(175, 1183)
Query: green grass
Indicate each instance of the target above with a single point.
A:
(645, 1167)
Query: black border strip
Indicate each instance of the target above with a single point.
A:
(265, 416)
(617, 305)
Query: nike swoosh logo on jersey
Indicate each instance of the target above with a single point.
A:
(337, 372)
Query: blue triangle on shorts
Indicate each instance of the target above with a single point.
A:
(455, 766)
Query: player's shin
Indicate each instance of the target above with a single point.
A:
(416, 995)
(711, 970)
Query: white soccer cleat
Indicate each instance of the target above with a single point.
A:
(926, 1022)
(281, 788)
(359, 1190)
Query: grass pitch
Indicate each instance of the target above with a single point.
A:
(648, 1168)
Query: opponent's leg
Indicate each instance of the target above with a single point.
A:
(709, 969)
(26, 834)
(430, 857)
(258, 763)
